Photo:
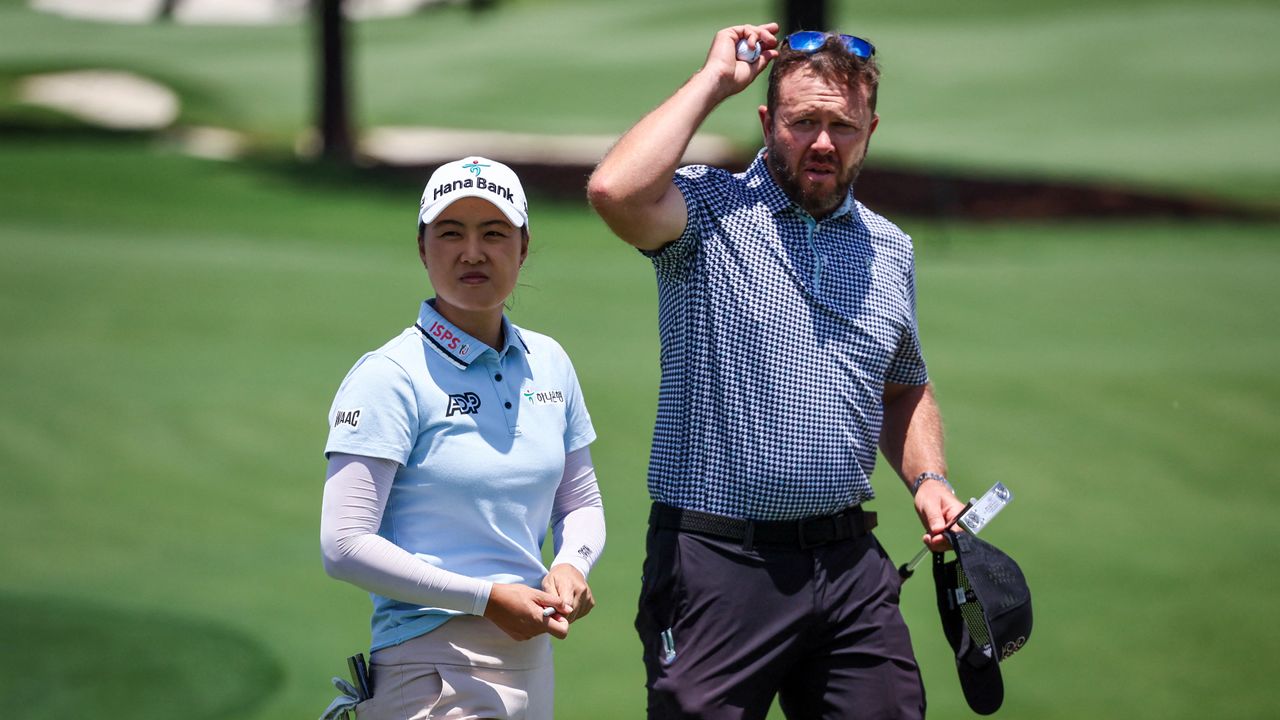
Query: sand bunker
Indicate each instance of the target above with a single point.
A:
(220, 12)
(107, 98)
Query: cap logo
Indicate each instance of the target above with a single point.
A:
(1012, 647)
(474, 177)
(465, 183)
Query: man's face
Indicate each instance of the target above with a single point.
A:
(816, 139)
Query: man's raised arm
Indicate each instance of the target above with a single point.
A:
(631, 188)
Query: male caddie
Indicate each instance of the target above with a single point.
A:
(786, 312)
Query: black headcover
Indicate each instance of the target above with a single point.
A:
(985, 606)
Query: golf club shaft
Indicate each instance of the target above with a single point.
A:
(906, 571)
(911, 566)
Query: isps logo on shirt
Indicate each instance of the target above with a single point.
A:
(448, 339)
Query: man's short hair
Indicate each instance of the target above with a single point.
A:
(831, 62)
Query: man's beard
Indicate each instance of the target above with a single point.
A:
(818, 203)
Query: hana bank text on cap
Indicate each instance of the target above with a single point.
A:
(474, 177)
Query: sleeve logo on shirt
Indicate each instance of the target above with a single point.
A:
(467, 403)
(544, 397)
(585, 552)
(347, 417)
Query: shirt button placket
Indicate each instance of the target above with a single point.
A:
(508, 407)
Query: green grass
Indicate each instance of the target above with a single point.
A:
(1167, 94)
(109, 662)
(173, 331)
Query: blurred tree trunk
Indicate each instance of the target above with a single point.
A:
(335, 110)
(167, 8)
(804, 15)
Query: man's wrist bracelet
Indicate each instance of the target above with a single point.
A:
(915, 484)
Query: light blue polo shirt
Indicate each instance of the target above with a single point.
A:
(481, 436)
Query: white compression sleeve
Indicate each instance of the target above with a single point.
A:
(577, 517)
(355, 495)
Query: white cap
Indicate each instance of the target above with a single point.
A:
(479, 177)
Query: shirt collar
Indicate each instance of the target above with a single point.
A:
(458, 346)
(776, 199)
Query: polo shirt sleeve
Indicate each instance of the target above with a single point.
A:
(695, 183)
(578, 430)
(907, 366)
(375, 412)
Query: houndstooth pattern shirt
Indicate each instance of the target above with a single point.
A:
(778, 334)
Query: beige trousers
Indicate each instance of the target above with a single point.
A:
(466, 668)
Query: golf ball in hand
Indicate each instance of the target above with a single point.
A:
(746, 53)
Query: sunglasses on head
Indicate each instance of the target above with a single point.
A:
(809, 41)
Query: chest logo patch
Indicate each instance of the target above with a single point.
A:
(467, 403)
(544, 397)
(347, 417)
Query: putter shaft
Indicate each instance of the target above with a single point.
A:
(908, 569)
(911, 566)
(975, 516)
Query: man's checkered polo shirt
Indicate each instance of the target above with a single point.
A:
(778, 334)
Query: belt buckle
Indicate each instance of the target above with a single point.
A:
(824, 530)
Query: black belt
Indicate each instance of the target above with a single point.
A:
(808, 532)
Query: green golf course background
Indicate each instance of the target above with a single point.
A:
(172, 331)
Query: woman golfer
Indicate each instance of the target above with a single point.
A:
(451, 450)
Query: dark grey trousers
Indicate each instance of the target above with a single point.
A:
(726, 629)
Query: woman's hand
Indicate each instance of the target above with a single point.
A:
(567, 583)
(518, 611)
